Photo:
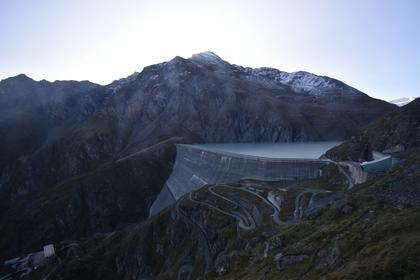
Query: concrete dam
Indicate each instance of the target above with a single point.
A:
(198, 165)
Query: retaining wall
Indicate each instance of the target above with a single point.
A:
(196, 166)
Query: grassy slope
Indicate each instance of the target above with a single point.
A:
(377, 239)
(113, 195)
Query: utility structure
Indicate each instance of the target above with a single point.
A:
(380, 163)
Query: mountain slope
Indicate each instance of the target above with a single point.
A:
(62, 135)
(35, 113)
(314, 229)
(228, 231)
(393, 133)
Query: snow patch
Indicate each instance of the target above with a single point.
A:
(402, 101)
(117, 84)
(207, 57)
(301, 82)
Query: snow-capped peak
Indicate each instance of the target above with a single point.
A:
(207, 56)
(402, 101)
(301, 81)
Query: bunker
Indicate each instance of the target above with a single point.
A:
(198, 165)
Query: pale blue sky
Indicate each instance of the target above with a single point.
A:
(372, 45)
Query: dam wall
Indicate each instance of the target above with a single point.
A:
(197, 166)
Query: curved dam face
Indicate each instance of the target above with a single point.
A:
(198, 165)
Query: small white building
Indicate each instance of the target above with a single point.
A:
(49, 251)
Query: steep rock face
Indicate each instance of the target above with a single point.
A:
(200, 94)
(56, 132)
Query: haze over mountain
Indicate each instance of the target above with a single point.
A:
(370, 45)
(185, 95)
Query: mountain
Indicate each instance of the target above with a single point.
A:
(79, 158)
(309, 229)
(402, 101)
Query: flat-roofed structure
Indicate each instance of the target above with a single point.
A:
(380, 163)
(198, 165)
(49, 251)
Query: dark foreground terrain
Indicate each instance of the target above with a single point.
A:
(313, 229)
